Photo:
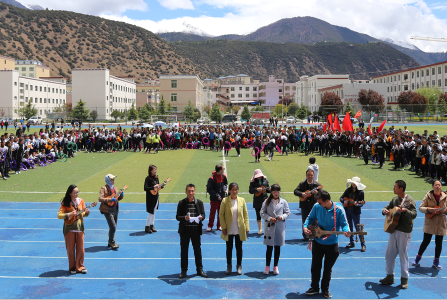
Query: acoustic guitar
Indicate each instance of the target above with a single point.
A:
(111, 203)
(348, 202)
(318, 232)
(72, 219)
(437, 212)
(308, 192)
(155, 191)
(257, 194)
(392, 219)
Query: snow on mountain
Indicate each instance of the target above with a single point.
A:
(34, 6)
(400, 43)
(189, 29)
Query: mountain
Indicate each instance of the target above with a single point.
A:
(290, 60)
(65, 40)
(14, 3)
(34, 7)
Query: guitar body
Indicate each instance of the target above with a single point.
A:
(111, 203)
(435, 213)
(348, 202)
(391, 220)
(155, 191)
(257, 194)
(305, 198)
(73, 219)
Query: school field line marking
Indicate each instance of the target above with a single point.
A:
(68, 277)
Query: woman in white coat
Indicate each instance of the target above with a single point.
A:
(275, 210)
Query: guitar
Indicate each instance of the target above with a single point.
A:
(348, 202)
(308, 193)
(392, 219)
(72, 219)
(257, 194)
(318, 232)
(438, 211)
(155, 191)
(111, 203)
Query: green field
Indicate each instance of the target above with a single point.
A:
(87, 171)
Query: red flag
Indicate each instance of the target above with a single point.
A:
(369, 129)
(336, 123)
(324, 127)
(381, 126)
(347, 123)
(358, 114)
(330, 123)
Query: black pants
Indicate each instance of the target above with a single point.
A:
(381, 158)
(192, 235)
(365, 157)
(238, 249)
(330, 254)
(112, 221)
(304, 214)
(426, 241)
(258, 213)
(268, 255)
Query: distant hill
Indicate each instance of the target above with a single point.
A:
(65, 40)
(14, 3)
(290, 60)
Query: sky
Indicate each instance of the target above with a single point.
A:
(394, 19)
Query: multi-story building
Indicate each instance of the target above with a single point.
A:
(7, 63)
(32, 68)
(45, 94)
(434, 75)
(271, 92)
(102, 91)
(178, 90)
(148, 92)
(307, 88)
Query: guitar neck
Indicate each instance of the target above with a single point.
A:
(324, 232)
(81, 211)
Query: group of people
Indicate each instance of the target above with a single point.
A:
(318, 209)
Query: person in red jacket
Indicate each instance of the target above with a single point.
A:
(217, 188)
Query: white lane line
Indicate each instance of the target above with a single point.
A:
(232, 278)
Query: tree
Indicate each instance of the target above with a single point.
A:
(235, 109)
(207, 109)
(419, 103)
(144, 113)
(258, 108)
(363, 97)
(302, 112)
(79, 111)
(28, 110)
(404, 100)
(116, 114)
(332, 99)
(246, 114)
(432, 95)
(161, 107)
(188, 111)
(215, 113)
(347, 108)
(169, 109)
(228, 109)
(292, 109)
(442, 109)
(94, 115)
(132, 113)
(280, 109)
(371, 101)
(196, 114)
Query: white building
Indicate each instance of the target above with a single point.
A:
(434, 75)
(44, 93)
(271, 92)
(307, 88)
(103, 92)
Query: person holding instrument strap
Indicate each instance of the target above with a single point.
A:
(259, 185)
(110, 207)
(74, 233)
(151, 183)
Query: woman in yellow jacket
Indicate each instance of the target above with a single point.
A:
(234, 221)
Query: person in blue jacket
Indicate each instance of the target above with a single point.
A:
(330, 217)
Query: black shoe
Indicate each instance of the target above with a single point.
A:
(201, 273)
(363, 248)
(148, 229)
(327, 294)
(153, 229)
(182, 275)
(4, 178)
(350, 245)
(312, 291)
(114, 246)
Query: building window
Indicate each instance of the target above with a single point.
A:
(388, 89)
(45, 89)
(173, 84)
(255, 88)
(35, 100)
(433, 71)
(439, 70)
(412, 74)
(143, 90)
(417, 74)
(247, 95)
(280, 97)
(31, 69)
(399, 88)
(433, 82)
(247, 88)
(439, 82)
(232, 96)
(412, 86)
(232, 88)
(280, 90)
(417, 85)
(26, 99)
(287, 88)
(394, 88)
(23, 69)
(240, 88)
(427, 72)
(445, 70)
(405, 87)
(398, 77)
(41, 102)
(239, 95)
(174, 97)
(255, 95)
(445, 83)
(41, 89)
(405, 76)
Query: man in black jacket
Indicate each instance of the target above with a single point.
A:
(307, 189)
(217, 188)
(190, 214)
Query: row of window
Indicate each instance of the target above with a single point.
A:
(418, 74)
(433, 84)
(39, 88)
(121, 88)
(44, 100)
(31, 69)
(247, 88)
(255, 95)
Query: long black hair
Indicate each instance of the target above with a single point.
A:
(66, 201)
(152, 167)
(274, 187)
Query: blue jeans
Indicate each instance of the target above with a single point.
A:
(352, 221)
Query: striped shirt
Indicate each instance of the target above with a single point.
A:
(192, 210)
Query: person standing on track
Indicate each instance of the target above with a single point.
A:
(151, 183)
(110, 207)
(400, 238)
(257, 184)
(217, 188)
(74, 233)
(434, 225)
(190, 214)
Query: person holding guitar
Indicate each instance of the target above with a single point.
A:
(353, 199)
(399, 240)
(330, 216)
(152, 187)
(74, 228)
(109, 197)
(434, 206)
(259, 187)
(217, 188)
(306, 191)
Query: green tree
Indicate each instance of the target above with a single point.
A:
(398, 112)
(94, 115)
(228, 109)
(29, 110)
(235, 109)
(132, 113)
(207, 109)
(188, 111)
(280, 109)
(432, 95)
(246, 114)
(442, 108)
(215, 113)
(116, 114)
(79, 111)
(302, 112)
(161, 107)
(292, 109)
(196, 114)
(144, 113)
(258, 108)
(169, 109)
(349, 108)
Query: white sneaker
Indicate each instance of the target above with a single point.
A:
(208, 229)
(220, 228)
(275, 271)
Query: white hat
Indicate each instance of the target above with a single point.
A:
(111, 177)
(356, 181)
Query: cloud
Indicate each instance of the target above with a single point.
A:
(176, 4)
(92, 7)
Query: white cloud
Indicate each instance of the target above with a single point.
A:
(92, 7)
(176, 4)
